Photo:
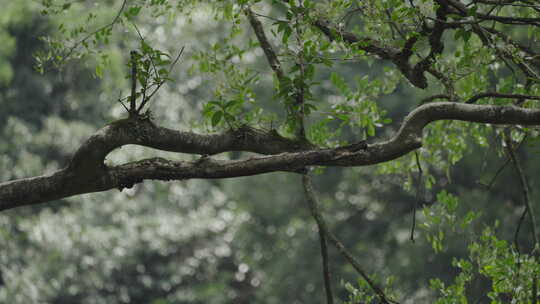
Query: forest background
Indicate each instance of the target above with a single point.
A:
(252, 239)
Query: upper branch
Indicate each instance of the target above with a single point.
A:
(461, 9)
(265, 44)
(400, 57)
(142, 131)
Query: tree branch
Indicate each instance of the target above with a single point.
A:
(87, 173)
(415, 74)
(461, 9)
(526, 198)
(323, 231)
(524, 186)
(271, 56)
(89, 35)
(477, 97)
(133, 96)
(312, 201)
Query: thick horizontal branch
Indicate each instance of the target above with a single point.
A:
(142, 131)
(87, 173)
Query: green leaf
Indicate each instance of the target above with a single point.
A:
(229, 117)
(163, 72)
(99, 71)
(370, 130)
(216, 118)
(230, 103)
(132, 12)
(214, 104)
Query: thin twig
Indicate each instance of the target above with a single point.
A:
(268, 17)
(418, 193)
(516, 241)
(161, 82)
(113, 22)
(500, 95)
(312, 200)
(122, 103)
(315, 212)
(145, 84)
(158, 85)
(269, 52)
(275, 64)
(300, 92)
(433, 97)
(530, 212)
(176, 59)
(501, 168)
(326, 268)
(516, 234)
(133, 97)
(494, 178)
(524, 185)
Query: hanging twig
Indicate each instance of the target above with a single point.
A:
(312, 200)
(524, 185)
(526, 197)
(315, 212)
(501, 168)
(494, 178)
(418, 194)
(516, 234)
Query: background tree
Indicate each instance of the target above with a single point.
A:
(335, 74)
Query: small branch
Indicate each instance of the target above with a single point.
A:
(160, 81)
(475, 98)
(462, 10)
(400, 57)
(273, 60)
(365, 44)
(433, 97)
(321, 225)
(121, 102)
(300, 91)
(133, 97)
(501, 168)
(526, 197)
(418, 193)
(312, 201)
(506, 3)
(524, 185)
(269, 52)
(436, 48)
(494, 178)
(113, 22)
(516, 234)
(511, 20)
(147, 98)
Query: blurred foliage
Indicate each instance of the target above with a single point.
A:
(251, 240)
